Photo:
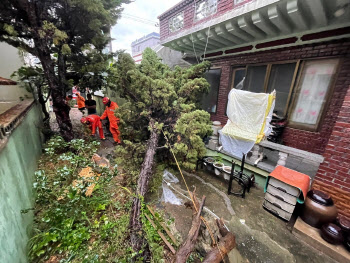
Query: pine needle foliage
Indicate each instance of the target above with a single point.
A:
(168, 97)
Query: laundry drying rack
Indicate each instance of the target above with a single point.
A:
(243, 182)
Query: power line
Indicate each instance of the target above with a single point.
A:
(140, 19)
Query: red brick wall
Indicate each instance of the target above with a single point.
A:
(188, 9)
(310, 141)
(335, 170)
(340, 196)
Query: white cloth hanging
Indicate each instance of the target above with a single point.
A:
(249, 120)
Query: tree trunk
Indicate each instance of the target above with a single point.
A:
(226, 244)
(142, 188)
(187, 247)
(60, 107)
(43, 106)
(42, 51)
(62, 71)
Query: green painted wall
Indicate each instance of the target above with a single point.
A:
(18, 162)
(100, 107)
(260, 175)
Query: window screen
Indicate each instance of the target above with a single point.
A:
(209, 101)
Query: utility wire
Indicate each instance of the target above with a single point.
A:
(140, 19)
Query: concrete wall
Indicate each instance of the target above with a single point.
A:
(100, 107)
(18, 162)
(12, 59)
(172, 58)
(13, 93)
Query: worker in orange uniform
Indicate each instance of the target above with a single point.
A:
(94, 121)
(113, 120)
(80, 102)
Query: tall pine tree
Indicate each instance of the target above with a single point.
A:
(159, 102)
(54, 31)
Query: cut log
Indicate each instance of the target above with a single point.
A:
(187, 247)
(225, 245)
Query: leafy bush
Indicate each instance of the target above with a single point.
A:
(70, 225)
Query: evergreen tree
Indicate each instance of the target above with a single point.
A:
(160, 102)
(57, 31)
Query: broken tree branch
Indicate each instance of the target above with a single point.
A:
(163, 226)
(187, 247)
(161, 235)
(226, 244)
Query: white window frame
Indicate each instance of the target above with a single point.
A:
(205, 8)
(175, 23)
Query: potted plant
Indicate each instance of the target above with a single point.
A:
(227, 172)
(218, 165)
(209, 162)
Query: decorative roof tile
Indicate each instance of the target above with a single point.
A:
(4, 81)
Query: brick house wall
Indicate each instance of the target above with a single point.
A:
(188, 7)
(305, 140)
(333, 175)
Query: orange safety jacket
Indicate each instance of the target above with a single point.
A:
(80, 101)
(94, 122)
(109, 112)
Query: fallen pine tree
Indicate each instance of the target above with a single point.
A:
(159, 102)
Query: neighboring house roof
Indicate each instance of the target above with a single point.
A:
(4, 81)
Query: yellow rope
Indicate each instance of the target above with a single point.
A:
(194, 203)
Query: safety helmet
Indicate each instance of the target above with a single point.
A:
(83, 120)
(105, 100)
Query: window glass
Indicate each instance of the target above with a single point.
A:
(176, 22)
(281, 77)
(205, 8)
(255, 79)
(312, 92)
(209, 101)
(238, 78)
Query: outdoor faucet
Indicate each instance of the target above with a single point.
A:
(261, 156)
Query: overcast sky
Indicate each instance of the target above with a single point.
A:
(127, 30)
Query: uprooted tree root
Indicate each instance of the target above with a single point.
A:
(219, 251)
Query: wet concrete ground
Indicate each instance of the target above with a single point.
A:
(260, 236)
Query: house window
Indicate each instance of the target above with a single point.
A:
(205, 8)
(301, 88)
(238, 77)
(270, 77)
(209, 101)
(176, 22)
(281, 80)
(312, 92)
(255, 78)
